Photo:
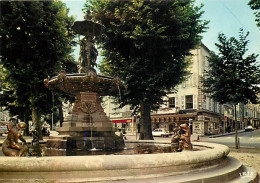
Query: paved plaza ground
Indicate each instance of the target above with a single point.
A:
(249, 156)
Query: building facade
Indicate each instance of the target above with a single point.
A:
(4, 115)
(121, 118)
(189, 105)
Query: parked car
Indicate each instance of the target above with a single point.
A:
(160, 132)
(3, 129)
(249, 128)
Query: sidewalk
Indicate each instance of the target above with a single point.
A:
(133, 135)
(129, 136)
(224, 134)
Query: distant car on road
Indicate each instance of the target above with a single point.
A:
(160, 132)
(3, 129)
(249, 128)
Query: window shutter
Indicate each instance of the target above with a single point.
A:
(182, 102)
(194, 101)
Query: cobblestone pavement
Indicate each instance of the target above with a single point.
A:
(249, 156)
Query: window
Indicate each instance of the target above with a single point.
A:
(172, 102)
(189, 101)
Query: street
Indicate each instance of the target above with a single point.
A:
(246, 139)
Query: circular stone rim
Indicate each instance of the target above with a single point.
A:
(113, 162)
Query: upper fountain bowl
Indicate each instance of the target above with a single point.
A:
(84, 82)
(86, 27)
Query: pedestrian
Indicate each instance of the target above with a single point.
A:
(229, 129)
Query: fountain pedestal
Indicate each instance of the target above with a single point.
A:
(86, 113)
(86, 127)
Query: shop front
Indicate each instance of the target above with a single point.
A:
(123, 125)
(170, 121)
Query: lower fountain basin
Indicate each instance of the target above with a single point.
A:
(210, 164)
(129, 149)
(112, 167)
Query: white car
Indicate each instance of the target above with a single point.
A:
(249, 128)
(3, 129)
(161, 132)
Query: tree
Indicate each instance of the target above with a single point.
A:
(233, 77)
(255, 5)
(146, 44)
(36, 42)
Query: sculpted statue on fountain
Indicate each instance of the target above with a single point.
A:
(88, 54)
(182, 136)
(11, 146)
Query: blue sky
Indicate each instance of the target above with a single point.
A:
(226, 16)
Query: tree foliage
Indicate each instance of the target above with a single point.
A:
(36, 42)
(255, 5)
(232, 76)
(146, 44)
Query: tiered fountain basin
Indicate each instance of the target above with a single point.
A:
(208, 165)
(84, 82)
(87, 125)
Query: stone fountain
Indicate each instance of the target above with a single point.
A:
(87, 126)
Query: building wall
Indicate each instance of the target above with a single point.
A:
(201, 110)
(121, 118)
(205, 115)
(4, 115)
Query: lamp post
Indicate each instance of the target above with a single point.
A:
(1, 92)
(136, 125)
(52, 114)
(190, 125)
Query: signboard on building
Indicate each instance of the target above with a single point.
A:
(122, 121)
(198, 128)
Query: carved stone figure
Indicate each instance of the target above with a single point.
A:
(11, 146)
(88, 53)
(182, 136)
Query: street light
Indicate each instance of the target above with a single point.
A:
(1, 92)
(190, 124)
(52, 114)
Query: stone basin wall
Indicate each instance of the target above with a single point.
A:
(184, 160)
(210, 164)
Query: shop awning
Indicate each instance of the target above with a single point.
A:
(122, 121)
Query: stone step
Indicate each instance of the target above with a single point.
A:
(224, 173)
(247, 175)
(227, 172)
